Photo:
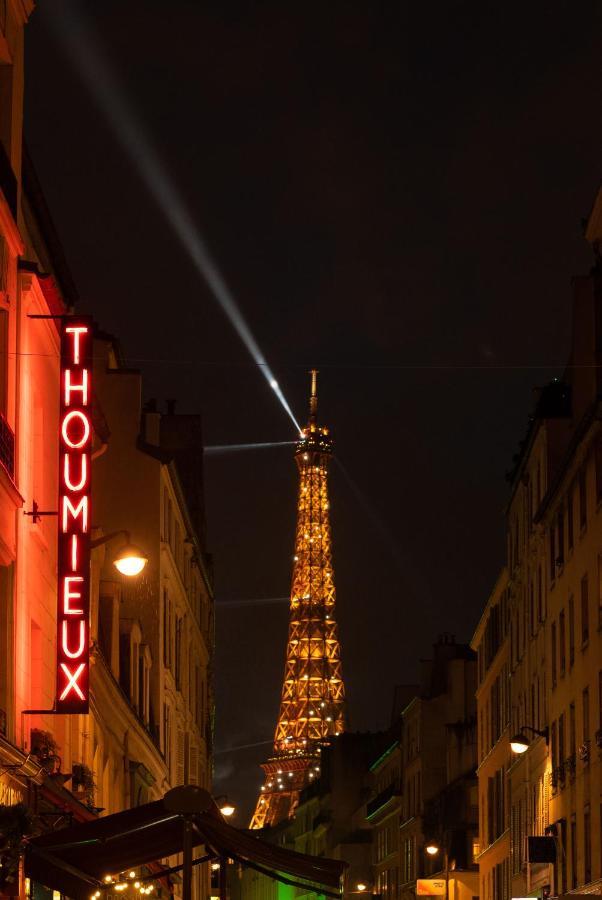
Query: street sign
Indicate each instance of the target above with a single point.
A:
(430, 887)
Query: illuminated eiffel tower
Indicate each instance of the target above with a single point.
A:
(312, 704)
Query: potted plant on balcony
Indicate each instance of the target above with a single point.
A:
(45, 749)
(16, 823)
(82, 782)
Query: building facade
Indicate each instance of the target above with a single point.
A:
(438, 770)
(547, 638)
(150, 720)
(492, 644)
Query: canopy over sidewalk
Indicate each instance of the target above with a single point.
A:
(75, 860)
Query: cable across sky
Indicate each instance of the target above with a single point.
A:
(128, 129)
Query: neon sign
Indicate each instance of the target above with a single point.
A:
(75, 445)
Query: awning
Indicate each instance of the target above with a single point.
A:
(75, 860)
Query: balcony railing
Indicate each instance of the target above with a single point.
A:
(381, 800)
(7, 447)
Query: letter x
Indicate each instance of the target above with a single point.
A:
(72, 682)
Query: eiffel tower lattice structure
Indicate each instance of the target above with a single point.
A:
(313, 694)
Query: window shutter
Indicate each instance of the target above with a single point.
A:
(180, 759)
(193, 766)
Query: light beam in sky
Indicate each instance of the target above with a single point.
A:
(89, 60)
(215, 449)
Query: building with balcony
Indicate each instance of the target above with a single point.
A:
(548, 636)
(329, 821)
(150, 720)
(438, 772)
(491, 642)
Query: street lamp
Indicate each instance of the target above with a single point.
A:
(226, 808)
(432, 848)
(130, 560)
(520, 742)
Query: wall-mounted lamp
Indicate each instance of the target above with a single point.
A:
(520, 742)
(130, 560)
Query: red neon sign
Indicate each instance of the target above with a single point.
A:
(75, 445)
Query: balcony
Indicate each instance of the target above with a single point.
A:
(570, 765)
(7, 447)
(382, 799)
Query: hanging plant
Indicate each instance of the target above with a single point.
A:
(16, 822)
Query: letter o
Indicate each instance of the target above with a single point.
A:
(75, 414)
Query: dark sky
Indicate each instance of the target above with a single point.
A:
(394, 192)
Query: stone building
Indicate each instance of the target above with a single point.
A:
(149, 725)
(329, 819)
(548, 633)
(438, 771)
(491, 641)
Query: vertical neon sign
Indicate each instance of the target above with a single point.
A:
(75, 444)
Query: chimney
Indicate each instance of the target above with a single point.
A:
(151, 423)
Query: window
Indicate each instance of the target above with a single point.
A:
(584, 611)
(554, 745)
(166, 629)
(553, 652)
(573, 853)
(178, 654)
(561, 644)
(600, 592)
(598, 464)
(572, 731)
(569, 519)
(585, 697)
(408, 859)
(560, 549)
(561, 756)
(3, 335)
(587, 847)
(582, 497)
(540, 594)
(167, 738)
(552, 553)
(571, 631)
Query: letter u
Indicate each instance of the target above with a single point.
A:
(65, 639)
(83, 472)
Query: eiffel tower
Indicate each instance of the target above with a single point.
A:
(312, 703)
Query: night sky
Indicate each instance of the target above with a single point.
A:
(394, 193)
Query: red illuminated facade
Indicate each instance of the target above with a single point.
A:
(75, 443)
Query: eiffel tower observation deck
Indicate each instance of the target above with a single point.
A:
(313, 694)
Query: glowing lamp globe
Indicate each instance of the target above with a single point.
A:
(361, 887)
(227, 810)
(432, 849)
(130, 561)
(519, 743)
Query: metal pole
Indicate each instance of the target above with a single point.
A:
(446, 875)
(223, 878)
(187, 859)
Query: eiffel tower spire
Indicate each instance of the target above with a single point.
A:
(312, 703)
